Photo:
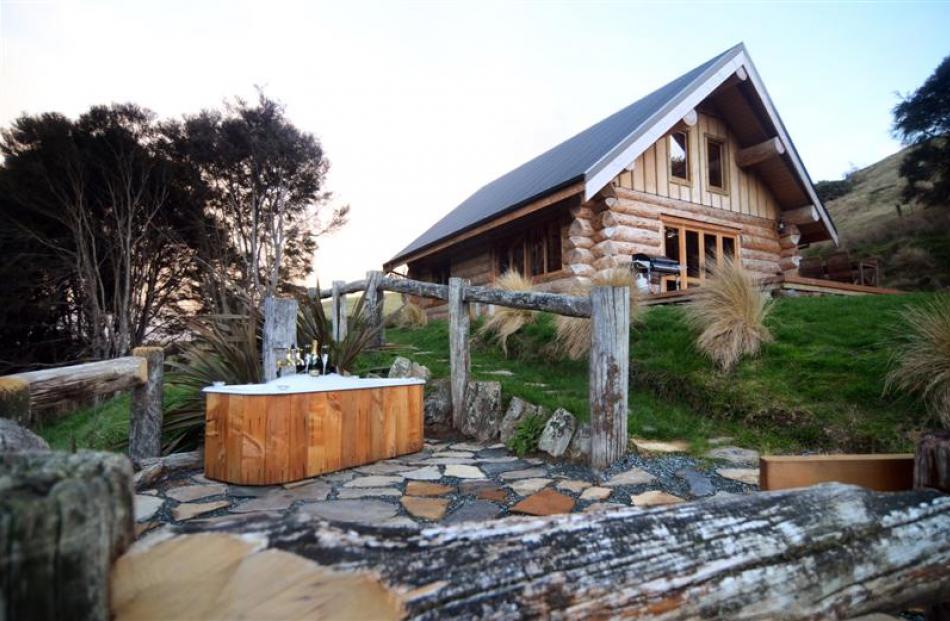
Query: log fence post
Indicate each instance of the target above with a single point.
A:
(609, 374)
(280, 332)
(374, 307)
(338, 311)
(459, 358)
(145, 410)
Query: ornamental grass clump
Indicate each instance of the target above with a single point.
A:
(729, 313)
(573, 334)
(921, 361)
(410, 316)
(506, 321)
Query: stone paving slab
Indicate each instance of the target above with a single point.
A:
(448, 482)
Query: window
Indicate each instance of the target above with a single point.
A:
(697, 249)
(679, 155)
(715, 164)
(532, 254)
(441, 273)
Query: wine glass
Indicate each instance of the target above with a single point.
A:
(325, 356)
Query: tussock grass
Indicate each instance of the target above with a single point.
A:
(507, 321)
(573, 334)
(921, 360)
(729, 314)
(411, 316)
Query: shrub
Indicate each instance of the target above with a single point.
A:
(225, 348)
(527, 434)
(729, 314)
(507, 321)
(314, 325)
(921, 361)
(573, 334)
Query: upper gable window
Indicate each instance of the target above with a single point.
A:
(679, 155)
(716, 163)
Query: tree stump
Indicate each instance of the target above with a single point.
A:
(932, 462)
(280, 332)
(64, 518)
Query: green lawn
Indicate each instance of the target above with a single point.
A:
(817, 387)
(103, 427)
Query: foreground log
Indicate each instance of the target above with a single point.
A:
(831, 551)
(932, 462)
(64, 518)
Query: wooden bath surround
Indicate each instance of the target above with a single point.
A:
(265, 439)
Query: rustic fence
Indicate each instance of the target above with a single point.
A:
(24, 395)
(607, 307)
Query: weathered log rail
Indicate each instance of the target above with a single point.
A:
(24, 395)
(608, 308)
(831, 552)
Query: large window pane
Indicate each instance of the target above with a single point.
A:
(536, 253)
(679, 155)
(692, 253)
(715, 154)
(672, 248)
(554, 247)
(709, 244)
(729, 247)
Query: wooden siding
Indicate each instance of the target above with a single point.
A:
(745, 192)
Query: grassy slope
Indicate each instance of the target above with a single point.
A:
(914, 247)
(817, 387)
(105, 426)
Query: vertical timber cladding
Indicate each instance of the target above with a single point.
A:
(270, 439)
(602, 237)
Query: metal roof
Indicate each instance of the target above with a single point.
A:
(577, 159)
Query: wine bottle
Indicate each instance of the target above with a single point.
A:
(315, 365)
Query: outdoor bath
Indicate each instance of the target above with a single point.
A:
(299, 426)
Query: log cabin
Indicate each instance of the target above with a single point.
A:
(698, 170)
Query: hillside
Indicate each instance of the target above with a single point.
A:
(818, 387)
(913, 245)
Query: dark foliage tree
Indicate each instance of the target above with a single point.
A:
(85, 204)
(266, 197)
(114, 227)
(922, 120)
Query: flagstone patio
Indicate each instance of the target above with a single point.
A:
(450, 482)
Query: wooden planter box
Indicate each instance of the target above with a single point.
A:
(883, 473)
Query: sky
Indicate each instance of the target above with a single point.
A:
(419, 104)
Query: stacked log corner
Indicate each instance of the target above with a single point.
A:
(459, 357)
(66, 517)
(146, 405)
(609, 374)
(280, 332)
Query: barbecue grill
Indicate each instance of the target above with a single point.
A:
(646, 266)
